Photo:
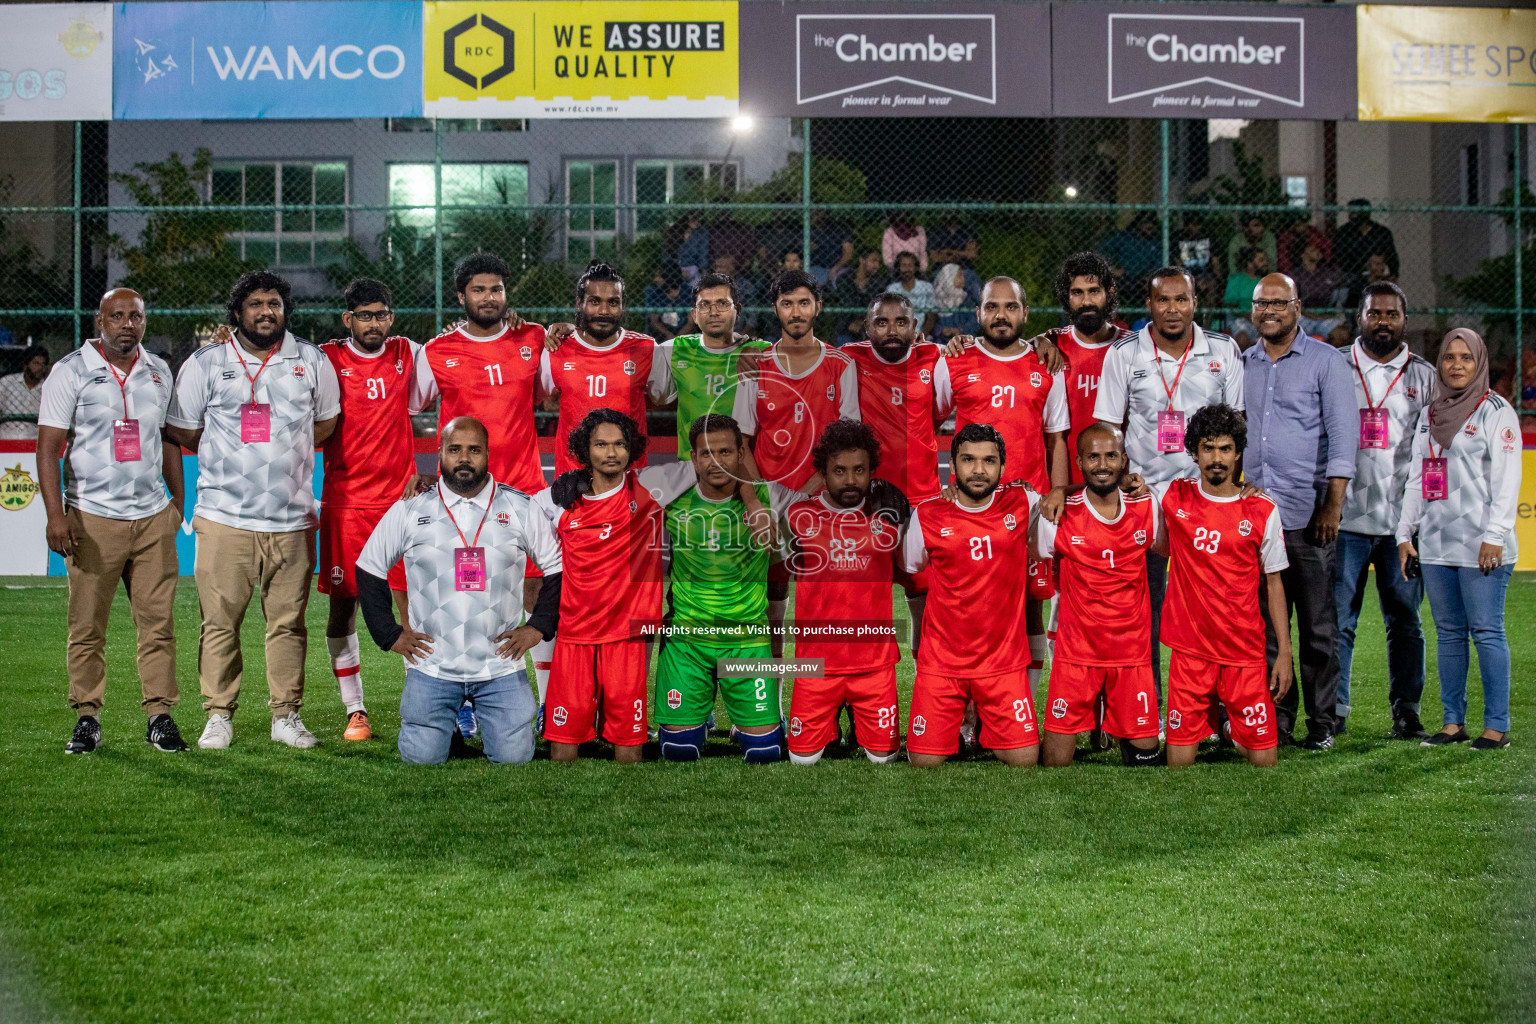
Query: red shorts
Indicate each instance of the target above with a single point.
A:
(938, 708)
(912, 583)
(1130, 699)
(1196, 686)
(343, 532)
(814, 704)
(1042, 587)
(584, 676)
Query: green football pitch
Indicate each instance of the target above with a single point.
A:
(1380, 882)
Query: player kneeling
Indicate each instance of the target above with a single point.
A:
(844, 543)
(1224, 547)
(1103, 614)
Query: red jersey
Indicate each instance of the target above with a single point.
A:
(371, 453)
(896, 400)
(973, 624)
(1014, 394)
(495, 380)
(1218, 552)
(1104, 616)
(1085, 364)
(787, 413)
(845, 562)
(586, 377)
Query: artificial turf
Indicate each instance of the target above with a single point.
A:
(1379, 882)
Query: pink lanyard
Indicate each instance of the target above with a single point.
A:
(1367, 388)
(122, 382)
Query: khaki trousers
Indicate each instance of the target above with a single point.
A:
(142, 554)
(232, 565)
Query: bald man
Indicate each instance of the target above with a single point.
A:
(114, 514)
(467, 544)
(1304, 431)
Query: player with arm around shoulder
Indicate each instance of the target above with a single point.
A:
(1225, 552)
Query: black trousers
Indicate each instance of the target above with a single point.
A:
(1309, 598)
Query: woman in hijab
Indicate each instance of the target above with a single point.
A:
(1458, 528)
(956, 301)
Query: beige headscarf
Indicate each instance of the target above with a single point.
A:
(1452, 407)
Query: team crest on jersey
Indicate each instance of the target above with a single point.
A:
(336, 574)
(925, 376)
(399, 367)
(1411, 391)
(1214, 366)
(1470, 430)
(1174, 719)
(634, 506)
(502, 519)
(560, 716)
(298, 371)
(1035, 380)
(1141, 537)
(674, 699)
(1059, 707)
(1508, 439)
(155, 377)
(831, 392)
(1245, 528)
(877, 526)
(629, 368)
(1010, 522)
(526, 353)
(919, 725)
(345, 371)
(795, 726)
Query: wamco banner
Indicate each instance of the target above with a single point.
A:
(1203, 60)
(896, 59)
(1447, 64)
(56, 62)
(297, 58)
(544, 58)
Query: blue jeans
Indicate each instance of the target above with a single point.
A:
(1400, 601)
(1466, 604)
(429, 716)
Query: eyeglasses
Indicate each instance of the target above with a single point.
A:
(366, 316)
(1273, 305)
(723, 305)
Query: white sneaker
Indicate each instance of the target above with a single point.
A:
(290, 730)
(217, 734)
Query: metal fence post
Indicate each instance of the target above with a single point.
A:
(805, 192)
(1519, 270)
(1162, 202)
(437, 224)
(77, 283)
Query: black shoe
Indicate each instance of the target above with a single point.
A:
(1484, 743)
(1406, 726)
(86, 737)
(162, 734)
(1444, 739)
(1318, 740)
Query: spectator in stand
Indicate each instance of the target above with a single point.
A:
(1134, 252)
(1358, 238)
(1375, 270)
(667, 290)
(729, 237)
(957, 295)
(856, 289)
(21, 395)
(904, 235)
(831, 249)
(693, 249)
(916, 290)
(1239, 294)
(773, 238)
(1197, 254)
(1322, 292)
(953, 242)
(1251, 234)
(1298, 234)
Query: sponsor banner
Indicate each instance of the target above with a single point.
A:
(1203, 60)
(1525, 511)
(56, 62)
(542, 58)
(896, 59)
(1446, 63)
(23, 520)
(292, 59)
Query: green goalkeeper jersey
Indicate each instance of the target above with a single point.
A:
(719, 586)
(705, 379)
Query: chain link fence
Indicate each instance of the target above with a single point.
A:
(177, 209)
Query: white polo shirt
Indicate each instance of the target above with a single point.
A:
(263, 486)
(83, 396)
(464, 624)
(1374, 502)
(1134, 388)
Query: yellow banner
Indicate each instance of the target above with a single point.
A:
(545, 58)
(1446, 63)
(1525, 514)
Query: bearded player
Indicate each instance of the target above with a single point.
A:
(1100, 548)
(1225, 551)
(608, 517)
(844, 551)
(1085, 287)
(896, 399)
(801, 385)
(368, 462)
(974, 643)
(1005, 381)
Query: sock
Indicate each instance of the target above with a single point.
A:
(543, 657)
(776, 611)
(1037, 654)
(347, 665)
(915, 605)
(795, 758)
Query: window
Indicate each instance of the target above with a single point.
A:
(413, 189)
(591, 231)
(1296, 190)
(1470, 178)
(456, 124)
(285, 237)
(676, 181)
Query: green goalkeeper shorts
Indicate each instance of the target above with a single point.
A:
(685, 686)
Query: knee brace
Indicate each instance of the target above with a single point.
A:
(763, 749)
(681, 744)
(1132, 757)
